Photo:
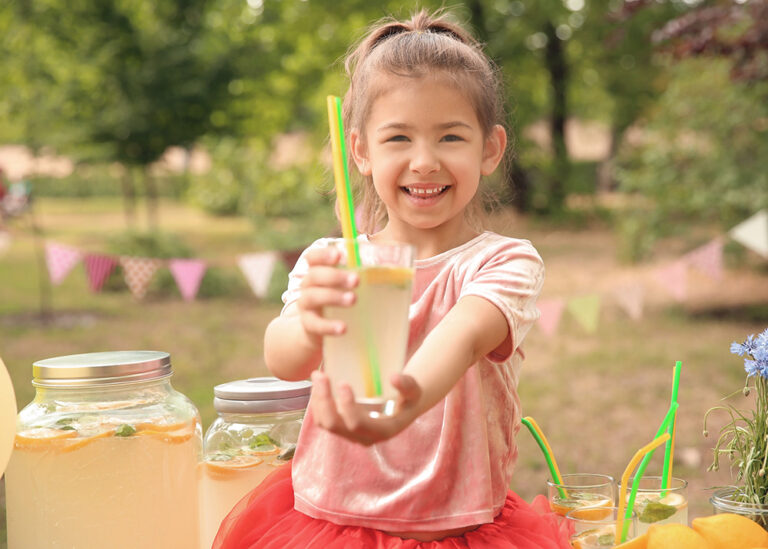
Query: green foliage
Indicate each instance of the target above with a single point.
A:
(704, 150)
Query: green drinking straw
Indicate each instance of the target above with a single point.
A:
(349, 230)
(641, 470)
(547, 456)
(668, 448)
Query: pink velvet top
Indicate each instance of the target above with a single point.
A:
(452, 467)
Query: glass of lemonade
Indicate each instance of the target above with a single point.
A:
(581, 491)
(104, 456)
(377, 324)
(256, 433)
(589, 529)
(656, 506)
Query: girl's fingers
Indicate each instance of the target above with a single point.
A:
(329, 277)
(407, 386)
(317, 298)
(323, 406)
(320, 326)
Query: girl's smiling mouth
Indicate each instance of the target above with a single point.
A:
(425, 192)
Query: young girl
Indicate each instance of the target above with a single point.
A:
(424, 115)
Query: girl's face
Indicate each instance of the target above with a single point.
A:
(424, 147)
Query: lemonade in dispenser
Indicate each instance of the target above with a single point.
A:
(104, 456)
(256, 433)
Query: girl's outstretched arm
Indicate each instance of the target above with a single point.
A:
(293, 342)
(472, 329)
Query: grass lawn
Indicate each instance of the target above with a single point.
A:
(598, 397)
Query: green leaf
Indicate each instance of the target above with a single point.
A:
(125, 430)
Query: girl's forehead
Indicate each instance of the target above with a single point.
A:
(387, 89)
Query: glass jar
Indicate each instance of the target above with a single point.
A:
(104, 456)
(724, 500)
(256, 432)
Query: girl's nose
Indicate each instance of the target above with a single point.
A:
(424, 160)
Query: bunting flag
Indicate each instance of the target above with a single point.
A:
(674, 278)
(290, 257)
(138, 273)
(708, 259)
(586, 310)
(258, 269)
(60, 259)
(551, 310)
(630, 299)
(98, 268)
(188, 273)
(753, 233)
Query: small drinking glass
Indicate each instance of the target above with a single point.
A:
(595, 527)
(655, 505)
(581, 490)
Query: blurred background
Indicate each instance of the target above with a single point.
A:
(196, 129)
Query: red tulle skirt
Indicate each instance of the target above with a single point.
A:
(266, 519)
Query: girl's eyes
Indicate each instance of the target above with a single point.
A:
(397, 138)
(452, 137)
(403, 138)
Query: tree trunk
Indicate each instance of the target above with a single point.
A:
(606, 180)
(558, 74)
(152, 206)
(519, 185)
(129, 198)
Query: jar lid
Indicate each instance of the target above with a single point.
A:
(259, 395)
(91, 369)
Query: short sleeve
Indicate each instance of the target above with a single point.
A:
(296, 275)
(511, 278)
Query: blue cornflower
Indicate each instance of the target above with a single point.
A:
(752, 368)
(762, 339)
(737, 348)
(756, 351)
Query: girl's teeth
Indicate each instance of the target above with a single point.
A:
(425, 192)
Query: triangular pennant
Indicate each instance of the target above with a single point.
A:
(138, 273)
(585, 310)
(258, 269)
(98, 268)
(708, 259)
(630, 299)
(674, 278)
(60, 259)
(290, 257)
(753, 233)
(551, 312)
(188, 273)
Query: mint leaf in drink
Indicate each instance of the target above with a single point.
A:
(67, 428)
(606, 540)
(125, 430)
(262, 443)
(220, 457)
(655, 511)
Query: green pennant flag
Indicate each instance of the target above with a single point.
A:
(585, 310)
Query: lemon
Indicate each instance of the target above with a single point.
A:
(640, 542)
(674, 500)
(676, 536)
(731, 531)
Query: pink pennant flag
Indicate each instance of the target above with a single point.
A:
(98, 268)
(258, 269)
(138, 273)
(5, 241)
(188, 273)
(630, 299)
(708, 259)
(674, 278)
(60, 259)
(551, 312)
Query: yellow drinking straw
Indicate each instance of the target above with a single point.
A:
(348, 230)
(621, 535)
(541, 440)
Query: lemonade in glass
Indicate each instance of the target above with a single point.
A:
(654, 505)
(582, 491)
(373, 347)
(596, 528)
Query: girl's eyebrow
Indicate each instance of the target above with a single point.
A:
(404, 126)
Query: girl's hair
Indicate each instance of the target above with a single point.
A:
(424, 45)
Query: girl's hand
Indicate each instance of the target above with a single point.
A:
(324, 285)
(352, 421)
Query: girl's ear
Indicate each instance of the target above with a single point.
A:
(359, 153)
(493, 151)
